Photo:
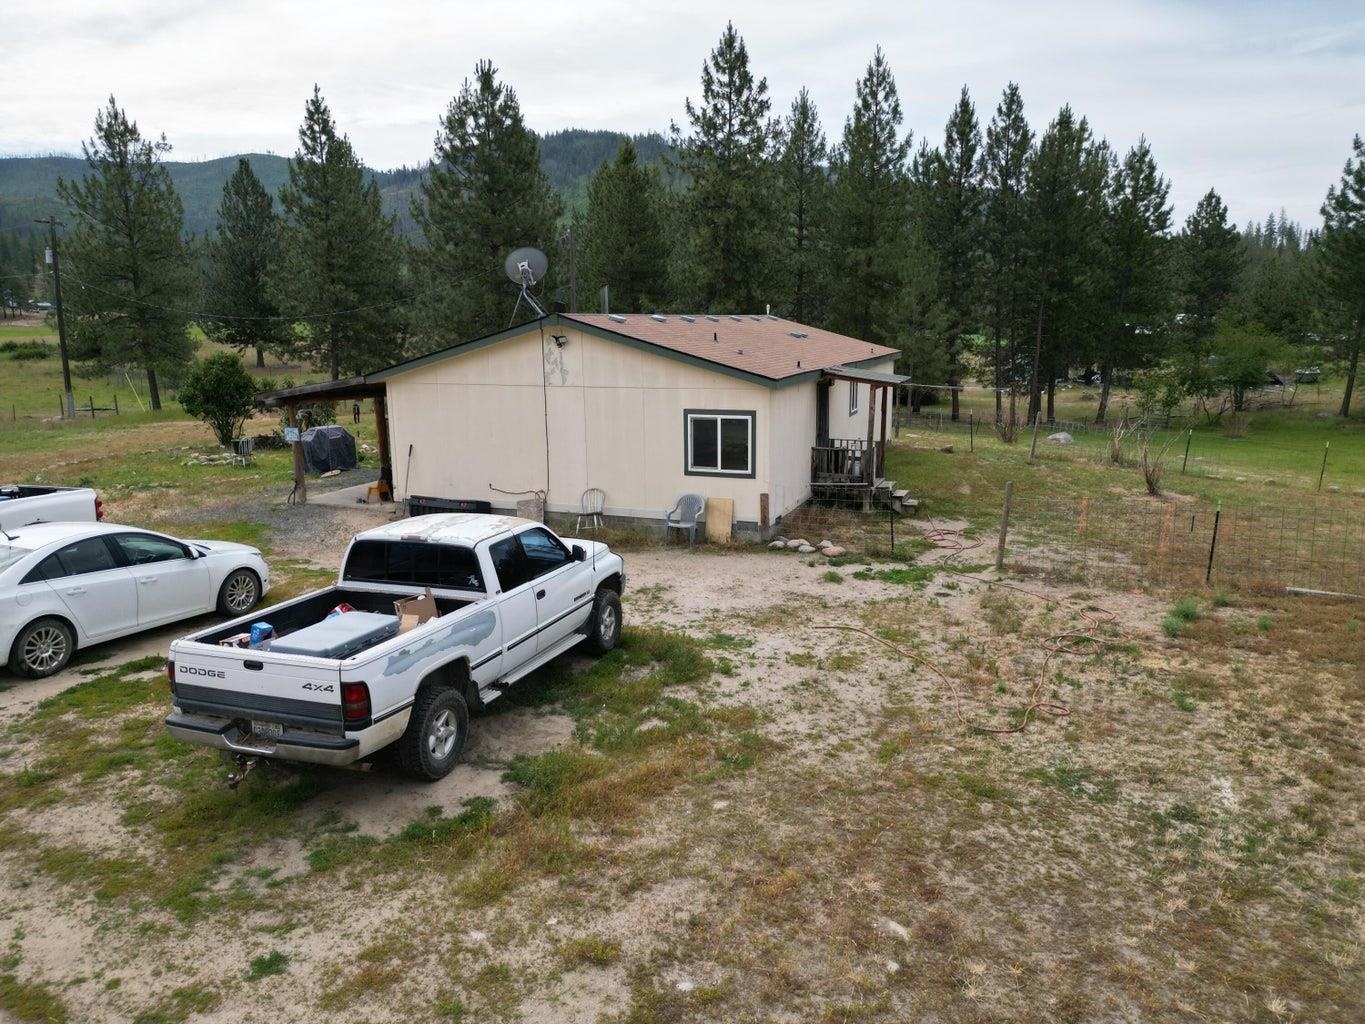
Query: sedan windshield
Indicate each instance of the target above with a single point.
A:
(9, 554)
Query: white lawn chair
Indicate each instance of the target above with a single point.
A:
(684, 516)
(591, 504)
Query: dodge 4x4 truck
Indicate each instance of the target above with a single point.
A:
(334, 681)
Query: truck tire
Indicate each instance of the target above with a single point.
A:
(240, 593)
(42, 648)
(431, 744)
(604, 624)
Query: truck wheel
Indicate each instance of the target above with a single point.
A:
(239, 594)
(431, 744)
(604, 624)
(42, 648)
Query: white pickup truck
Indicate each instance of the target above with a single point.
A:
(337, 688)
(25, 504)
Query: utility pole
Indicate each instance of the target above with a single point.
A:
(55, 259)
(573, 272)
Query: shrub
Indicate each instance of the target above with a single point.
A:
(27, 350)
(220, 392)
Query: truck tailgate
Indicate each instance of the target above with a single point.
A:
(234, 682)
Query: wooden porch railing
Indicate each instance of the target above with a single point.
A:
(847, 462)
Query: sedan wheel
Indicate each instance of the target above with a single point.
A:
(42, 649)
(240, 593)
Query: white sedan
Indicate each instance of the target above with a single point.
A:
(65, 586)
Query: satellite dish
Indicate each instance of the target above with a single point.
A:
(526, 265)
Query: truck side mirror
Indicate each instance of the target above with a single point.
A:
(579, 553)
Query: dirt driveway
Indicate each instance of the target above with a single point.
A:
(738, 816)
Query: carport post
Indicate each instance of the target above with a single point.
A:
(381, 420)
(300, 480)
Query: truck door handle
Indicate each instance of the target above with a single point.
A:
(539, 594)
(255, 666)
(147, 580)
(76, 591)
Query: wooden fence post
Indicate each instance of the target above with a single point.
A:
(1033, 447)
(1004, 527)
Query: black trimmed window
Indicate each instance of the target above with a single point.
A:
(852, 397)
(719, 443)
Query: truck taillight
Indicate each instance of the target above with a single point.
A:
(355, 702)
(170, 675)
(99, 510)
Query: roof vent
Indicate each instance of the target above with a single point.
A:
(771, 317)
(688, 319)
(798, 364)
(739, 351)
(713, 319)
(799, 334)
(737, 319)
(657, 318)
(756, 319)
(617, 317)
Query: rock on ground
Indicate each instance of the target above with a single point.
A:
(1061, 437)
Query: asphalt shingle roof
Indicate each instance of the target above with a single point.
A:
(766, 346)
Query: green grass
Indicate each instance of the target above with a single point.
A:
(590, 951)
(267, 965)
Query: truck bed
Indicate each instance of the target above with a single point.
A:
(292, 616)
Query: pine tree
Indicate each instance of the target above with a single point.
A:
(130, 285)
(340, 275)
(803, 193)
(242, 257)
(624, 245)
(953, 228)
(484, 196)
(1004, 167)
(1341, 260)
(728, 161)
(1065, 178)
(870, 204)
(1211, 261)
(1135, 264)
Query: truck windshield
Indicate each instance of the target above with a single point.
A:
(439, 566)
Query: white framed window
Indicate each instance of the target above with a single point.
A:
(852, 397)
(718, 442)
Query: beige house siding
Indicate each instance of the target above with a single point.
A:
(615, 417)
(851, 427)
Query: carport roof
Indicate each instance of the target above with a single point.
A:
(325, 390)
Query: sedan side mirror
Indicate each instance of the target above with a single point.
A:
(579, 553)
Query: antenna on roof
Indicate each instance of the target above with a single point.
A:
(526, 266)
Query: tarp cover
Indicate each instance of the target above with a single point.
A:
(327, 448)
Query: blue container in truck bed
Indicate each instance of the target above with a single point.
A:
(339, 636)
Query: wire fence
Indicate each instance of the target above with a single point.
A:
(1318, 548)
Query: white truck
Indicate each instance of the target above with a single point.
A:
(25, 504)
(336, 686)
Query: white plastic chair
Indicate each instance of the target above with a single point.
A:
(684, 516)
(592, 503)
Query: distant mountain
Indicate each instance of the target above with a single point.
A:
(28, 185)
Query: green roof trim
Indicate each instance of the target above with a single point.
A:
(555, 320)
(851, 372)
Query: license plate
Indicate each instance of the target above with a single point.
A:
(266, 730)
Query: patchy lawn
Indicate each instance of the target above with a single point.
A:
(737, 817)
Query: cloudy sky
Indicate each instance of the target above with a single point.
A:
(1257, 99)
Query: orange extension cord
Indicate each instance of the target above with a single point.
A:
(1074, 641)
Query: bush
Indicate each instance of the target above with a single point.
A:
(25, 350)
(220, 392)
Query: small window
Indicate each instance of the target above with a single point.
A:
(543, 552)
(852, 397)
(50, 568)
(366, 563)
(84, 556)
(720, 443)
(509, 563)
(144, 549)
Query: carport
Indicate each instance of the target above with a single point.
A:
(353, 389)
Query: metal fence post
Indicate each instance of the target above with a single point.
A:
(1323, 472)
(1188, 438)
(1032, 448)
(1004, 527)
(1213, 542)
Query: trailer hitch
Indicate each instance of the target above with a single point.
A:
(244, 766)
